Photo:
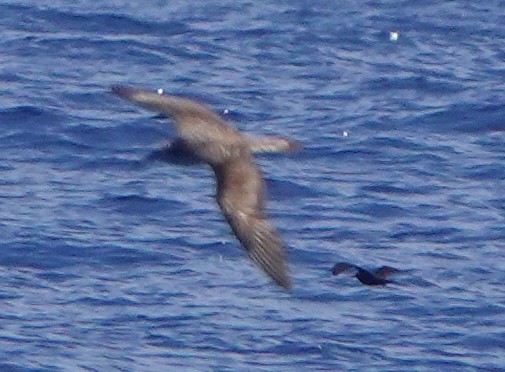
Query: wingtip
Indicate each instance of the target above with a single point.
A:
(340, 267)
(294, 146)
(122, 91)
(385, 271)
(272, 144)
(288, 287)
(284, 282)
(278, 273)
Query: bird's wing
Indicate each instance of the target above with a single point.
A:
(178, 108)
(340, 267)
(262, 243)
(271, 144)
(385, 271)
(240, 197)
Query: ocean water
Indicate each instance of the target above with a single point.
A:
(114, 260)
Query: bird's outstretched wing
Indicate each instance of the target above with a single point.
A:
(261, 242)
(340, 267)
(385, 271)
(240, 197)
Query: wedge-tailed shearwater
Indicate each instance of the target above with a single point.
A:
(375, 277)
(240, 186)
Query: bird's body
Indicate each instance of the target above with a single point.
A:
(240, 186)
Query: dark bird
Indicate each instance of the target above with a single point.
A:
(240, 186)
(375, 277)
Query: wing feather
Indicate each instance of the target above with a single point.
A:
(240, 190)
(262, 244)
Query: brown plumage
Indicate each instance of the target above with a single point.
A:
(240, 187)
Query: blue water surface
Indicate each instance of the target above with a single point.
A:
(111, 259)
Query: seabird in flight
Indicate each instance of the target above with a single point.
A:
(375, 277)
(240, 186)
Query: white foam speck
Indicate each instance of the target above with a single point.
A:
(345, 133)
(226, 111)
(393, 35)
(160, 91)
